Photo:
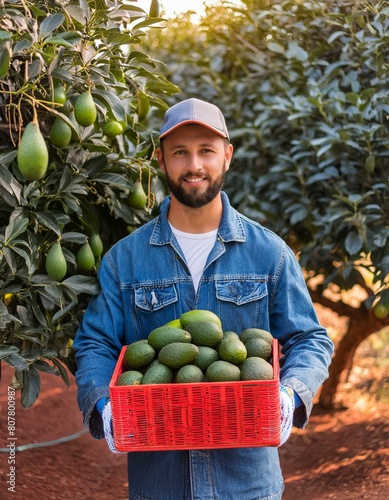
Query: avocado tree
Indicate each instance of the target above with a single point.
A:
(76, 165)
(304, 89)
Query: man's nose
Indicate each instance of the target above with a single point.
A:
(194, 162)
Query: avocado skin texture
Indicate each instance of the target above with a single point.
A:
(56, 266)
(85, 258)
(137, 198)
(60, 133)
(33, 157)
(85, 109)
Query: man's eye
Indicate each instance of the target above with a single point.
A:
(207, 151)
(179, 152)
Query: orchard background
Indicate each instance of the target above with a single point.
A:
(303, 86)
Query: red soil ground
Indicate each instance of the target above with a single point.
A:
(340, 455)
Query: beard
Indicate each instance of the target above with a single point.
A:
(191, 197)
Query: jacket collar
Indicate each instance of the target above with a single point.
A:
(230, 229)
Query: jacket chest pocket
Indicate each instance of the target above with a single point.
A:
(242, 303)
(154, 306)
(155, 298)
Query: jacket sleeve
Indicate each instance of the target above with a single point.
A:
(97, 346)
(306, 347)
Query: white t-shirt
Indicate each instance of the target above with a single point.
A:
(196, 248)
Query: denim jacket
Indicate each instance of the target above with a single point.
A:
(251, 279)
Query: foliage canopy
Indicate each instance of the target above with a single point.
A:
(304, 89)
(51, 53)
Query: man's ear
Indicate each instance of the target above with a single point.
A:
(228, 155)
(159, 155)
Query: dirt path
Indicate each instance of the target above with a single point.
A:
(340, 456)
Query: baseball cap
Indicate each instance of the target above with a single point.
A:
(194, 111)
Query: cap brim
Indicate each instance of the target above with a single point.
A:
(196, 122)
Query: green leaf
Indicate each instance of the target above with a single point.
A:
(298, 215)
(353, 242)
(334, 67)
(26, 256)
(321, 151)
(143, 105)
(52, 293)
(116, 37)
(66, 76)
(22, 46)
(95, 165)
(355, 198)
(67, 39)
(93, 147)
(62, 313)
(334, 36)
(66, 179)
(159, 85)
(16, 361)
(31, 387)
(44, 366)
(147, 22)
(10, 258)
(381, 237)
(114, 180)
(62, 371)
(370, 164)
(66, 119)
(5, 55)
(112, 102)
(34, 68)
(49, 220)
(78, 13)
(74, 237)
(296, 52)
(352, 97)
(57, 40)
(4, 35)
(5, 160)
(81, 284)
(275, 47)
(73, 205)
(6, 350)
(51, 23)
(8, 181)
(90, 219)
(15, 228)
(38, 12)
(5, 317)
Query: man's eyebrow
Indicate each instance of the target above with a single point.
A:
(202, 145)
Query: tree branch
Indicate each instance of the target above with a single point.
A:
(339, 307)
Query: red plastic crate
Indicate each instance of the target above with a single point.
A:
(196, 416)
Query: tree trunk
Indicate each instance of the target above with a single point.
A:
(361, 325)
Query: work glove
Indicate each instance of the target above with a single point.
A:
(287, 408)
(104, 407)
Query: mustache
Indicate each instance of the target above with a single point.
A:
(193, 176)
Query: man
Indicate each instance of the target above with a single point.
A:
(200, 253)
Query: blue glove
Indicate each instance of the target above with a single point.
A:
(287, 408)
(103, 406)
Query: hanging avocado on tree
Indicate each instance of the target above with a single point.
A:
(60, 133)
(154, 8)
(96, 245)
(85, 110)
(56, 265)
(33, 157)
(137, 197)
(85, 258)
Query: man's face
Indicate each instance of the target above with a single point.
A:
(195, 161)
